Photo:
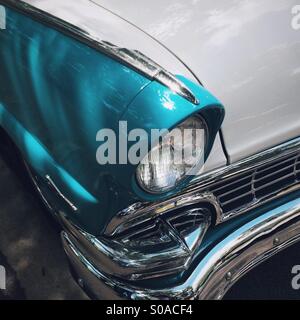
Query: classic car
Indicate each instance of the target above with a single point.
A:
(69, 69)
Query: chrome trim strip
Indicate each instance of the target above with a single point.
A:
(223, 266)
(195, 192)
(250, 162)
(131, 58)
(54, 187)
(33, 180)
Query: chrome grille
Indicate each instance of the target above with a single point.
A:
(181, 222)
(146, 235)
(256, 184)
(230, 191)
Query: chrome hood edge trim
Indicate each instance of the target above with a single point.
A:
(131, 58)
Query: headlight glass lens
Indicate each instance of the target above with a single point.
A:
(178, 155)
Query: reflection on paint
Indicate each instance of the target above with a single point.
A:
(39, 156)
(76, 187)
(2, 18)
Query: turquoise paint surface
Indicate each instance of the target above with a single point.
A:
(62, 92)
(57, 93)
(40, 159)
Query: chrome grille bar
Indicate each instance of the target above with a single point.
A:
(275, 176)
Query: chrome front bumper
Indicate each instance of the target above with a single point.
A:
(222, 266)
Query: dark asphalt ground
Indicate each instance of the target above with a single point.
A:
(36, 265)
(30, 247)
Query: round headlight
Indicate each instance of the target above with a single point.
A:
(178, 155)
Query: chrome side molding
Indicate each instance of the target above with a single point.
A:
(150, 69)
(129, 57)
(54, 187)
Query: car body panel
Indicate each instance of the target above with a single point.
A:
(237, 53)
(102, 25)
(59, 89)
(53, 98)
(53, 108)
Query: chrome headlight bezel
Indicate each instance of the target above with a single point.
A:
(185, 177)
